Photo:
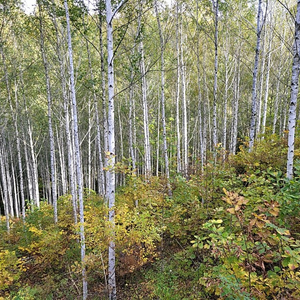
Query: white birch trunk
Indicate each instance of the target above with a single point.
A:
(178, 148)
(13, 184)
(206, 114)
(7, 182)
(254, 83)
(131, 122)
(215, 142)
(20, 164)
(294, 94)
(184, 107)
(111, 180)
(148, 170)
(49, 100)
(70, 148)
(147, 149)
(103, 90)
(61, 151)
(5, 192)
(15, 194)
(28, 171)
(235, 104)
(225, 102)
(261, 88)
(163, 116)
(77, 155)
(158, 137)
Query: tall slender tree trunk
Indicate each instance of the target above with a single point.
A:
(163, 114)
(294, 94)
(61, 153)
(20, 164)
(235, 104)
(70, 148)
(184, 105)
(254, 83)
(216, 10)
(4, 185)
(14, 194)
(178, 148)
(261, 88)
(131, 123)
(158, 138)
(103, 92)
(111, 180)
(225, 98)
(77, 154)
(49, 100)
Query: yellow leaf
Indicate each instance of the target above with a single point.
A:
(237, 207)
(252, 222)
(274, 211)
(292, 266)
(242, 201)
(231, 210)
(260, 224)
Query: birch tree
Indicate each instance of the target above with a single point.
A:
(294, 94)
(216, 11)
(178, 26)
(148, 170)
(77, 154)
(65, 98)
(111, 179)
(163, 114)
(4, 186)
(49, 100)
(255, 72)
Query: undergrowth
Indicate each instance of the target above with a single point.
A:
(229, 232)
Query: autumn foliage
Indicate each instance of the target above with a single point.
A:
(229, 232)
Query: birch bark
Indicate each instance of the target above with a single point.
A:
(20, 164)
(184, 105)
(5, 192)
(49, 100)
(77, 154)
(216, 10)
(111, 180)
(294, 94)
(254, 83)
(163, 114)
(235, 104)
(70, 148)
(103, 90)
(178, 148)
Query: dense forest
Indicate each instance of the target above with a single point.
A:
(150, 149)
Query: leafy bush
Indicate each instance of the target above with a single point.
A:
(252, 255)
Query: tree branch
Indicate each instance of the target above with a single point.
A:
(117, 9)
